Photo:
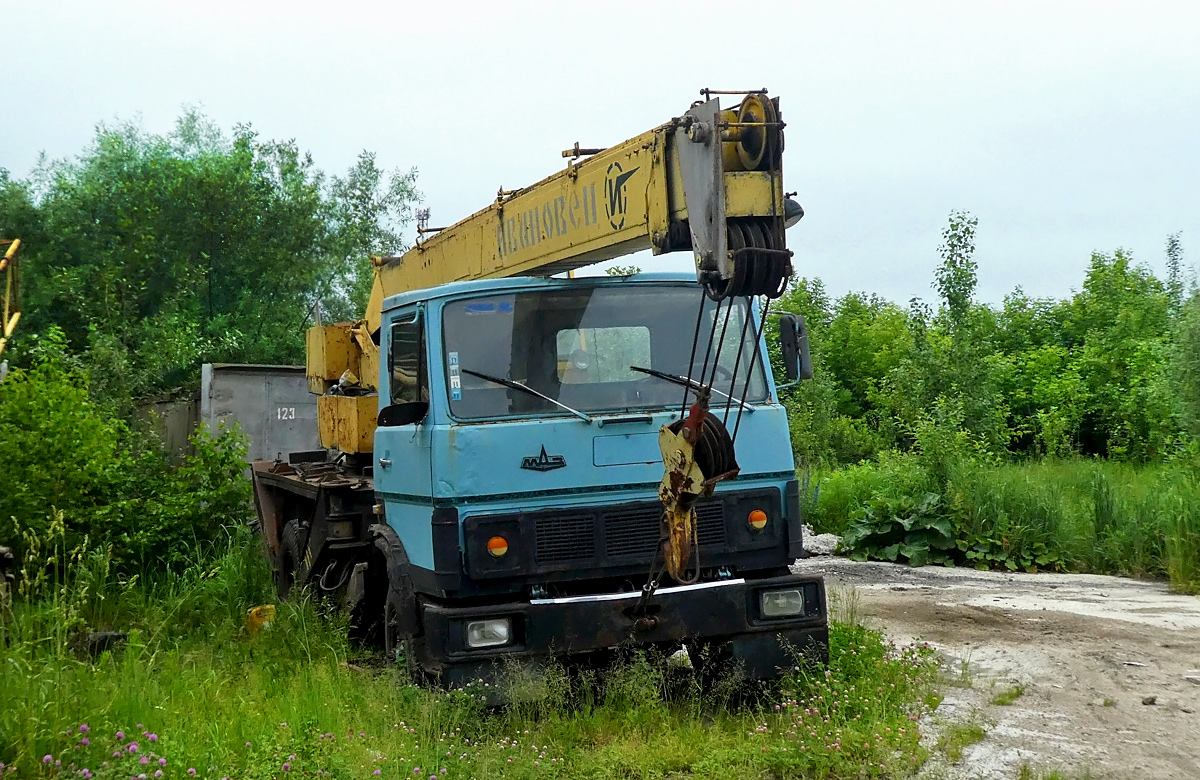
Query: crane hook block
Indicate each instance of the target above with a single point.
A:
(697, 454)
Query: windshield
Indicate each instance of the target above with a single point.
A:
(577, 347)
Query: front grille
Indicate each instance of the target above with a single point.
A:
(579, 541)
(564, 539)
(635, 532)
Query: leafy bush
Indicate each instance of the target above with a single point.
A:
(62, 455)
(56, 449)
(902, 529)
(834, 498)
(821, 436)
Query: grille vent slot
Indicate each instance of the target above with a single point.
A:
(565, 538)
(710, 523)
(634, 532)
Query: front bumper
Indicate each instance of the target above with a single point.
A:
(723, 612)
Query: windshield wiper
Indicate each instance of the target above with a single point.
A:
(528, 389)
(692, 383)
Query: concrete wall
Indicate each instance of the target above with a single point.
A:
(272, 405)
(173, 420)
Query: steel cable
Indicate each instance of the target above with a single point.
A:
(720, 345)
(746, 319)
(750, 371)
(711, 337)
(692, 358)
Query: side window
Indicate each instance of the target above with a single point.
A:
(406, 361)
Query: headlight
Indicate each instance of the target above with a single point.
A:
(781, 603)
(492, 632)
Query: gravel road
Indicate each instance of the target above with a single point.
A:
(1110, 666)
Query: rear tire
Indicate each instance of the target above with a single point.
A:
(289, 559)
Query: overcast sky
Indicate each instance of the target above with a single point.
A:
(1065, 127)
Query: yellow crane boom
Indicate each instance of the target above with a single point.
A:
(709, 181)
(12, 303)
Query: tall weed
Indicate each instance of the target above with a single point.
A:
(1007, 518)
(1072, 514)
(1179, 507)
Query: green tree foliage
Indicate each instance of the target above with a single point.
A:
(1174, 273)
(831, 421)
(1110, 371)
(64, 454)
(1116, 329)
(156, 253)
(956, 277)
(1185, 366)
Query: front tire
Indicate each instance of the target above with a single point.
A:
(399, 647)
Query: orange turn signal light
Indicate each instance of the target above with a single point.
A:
(497, 546)
(757, 519)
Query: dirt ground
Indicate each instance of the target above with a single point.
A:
(1110, 666)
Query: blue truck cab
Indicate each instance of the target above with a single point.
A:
(512, 508)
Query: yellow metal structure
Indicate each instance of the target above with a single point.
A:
(329, 354)
(347, 422)
(260, 618)
(602, 205)
(12, 304)
(682, 475)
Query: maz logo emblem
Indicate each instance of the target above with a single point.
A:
(543, 462)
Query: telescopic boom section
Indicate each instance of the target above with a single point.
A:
(709, 181)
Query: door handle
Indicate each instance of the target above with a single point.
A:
(384, 463)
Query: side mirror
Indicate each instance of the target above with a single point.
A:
(793, 343)
(402, 414)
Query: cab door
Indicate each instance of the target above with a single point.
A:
(403, 475)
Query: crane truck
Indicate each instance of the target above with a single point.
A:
(516, 466)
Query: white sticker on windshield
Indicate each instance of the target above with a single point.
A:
(455, 379)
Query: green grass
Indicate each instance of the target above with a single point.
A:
(962, 676)
(232, 705)
(959, 736)
(1071, 515)
(1008, 695)
(1028, 773)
